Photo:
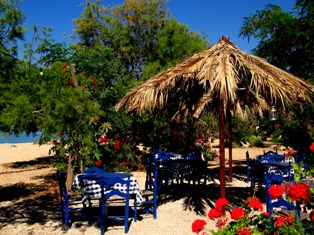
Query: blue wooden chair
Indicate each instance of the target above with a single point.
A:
(107, 182)
(72, 208)
(277, 179)
(150, 193)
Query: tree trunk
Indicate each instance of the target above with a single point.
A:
(70, 174)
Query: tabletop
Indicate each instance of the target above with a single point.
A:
(93, 190)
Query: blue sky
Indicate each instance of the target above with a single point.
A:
(214, 18)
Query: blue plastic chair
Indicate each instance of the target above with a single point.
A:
(107, 181)
(72, 207)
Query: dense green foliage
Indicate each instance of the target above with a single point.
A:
(286, 41)
(69, 93)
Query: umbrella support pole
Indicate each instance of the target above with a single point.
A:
(230, 143)
(222, 152)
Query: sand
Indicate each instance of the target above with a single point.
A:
(27, 207)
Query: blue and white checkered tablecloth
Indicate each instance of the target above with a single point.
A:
(92, 190)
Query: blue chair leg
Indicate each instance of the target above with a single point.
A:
(135, 210)
(102, 216)
(126, 221)
(66, 216)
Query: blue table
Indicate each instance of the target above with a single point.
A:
(92, 190)
(175, 168)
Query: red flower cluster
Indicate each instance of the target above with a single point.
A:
(103, 139)
(283, 220)
(94, 82)
(237, 213)
(220, 203)
(267, 214)
(64, 66)
(276, 191)
(98, 163)
(214, 213)
(244, 231)
(290, 153)
(217, 212)
(198, 225)
(221, 223)
(312, 147)
(96, 119)
(254, 203)
(117, 145)
(300, 192)
(312, 216)
(123, 165)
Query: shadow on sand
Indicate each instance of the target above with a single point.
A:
(30, 203)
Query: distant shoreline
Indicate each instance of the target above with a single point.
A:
(21, 139)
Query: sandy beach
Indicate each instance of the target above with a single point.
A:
(28, 207)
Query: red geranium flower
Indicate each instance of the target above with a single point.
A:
(198, 225)
(94, 82)
(123, 164)
(64, 66)
(103, 139)
(267, 214)
(283, 220)
(254, 203)
(220, 203)
(117, 145)
(96, 119)
(312, 147)
(300, 191)
(237, 213)
(244, 231)
(98, 163)
(312, 216)
(290, 153)
(221, 223)
(276, 191)
(214, 213)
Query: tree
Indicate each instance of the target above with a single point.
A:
(11, 31)
(174, 43)
(286, 40)
(145, 38)
(130, 29)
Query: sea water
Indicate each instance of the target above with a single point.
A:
(22, 138)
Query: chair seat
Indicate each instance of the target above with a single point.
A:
(115, 202)
(146, 193)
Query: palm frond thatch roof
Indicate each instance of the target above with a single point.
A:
(223, 72)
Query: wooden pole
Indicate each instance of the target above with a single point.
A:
(222, 152)
(230, 144)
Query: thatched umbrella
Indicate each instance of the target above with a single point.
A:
(224, 80)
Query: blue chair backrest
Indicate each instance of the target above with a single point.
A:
(95, 169)
(271, 158)
(277, 179)
(111, 184)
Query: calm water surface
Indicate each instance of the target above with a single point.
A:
(23, 138)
